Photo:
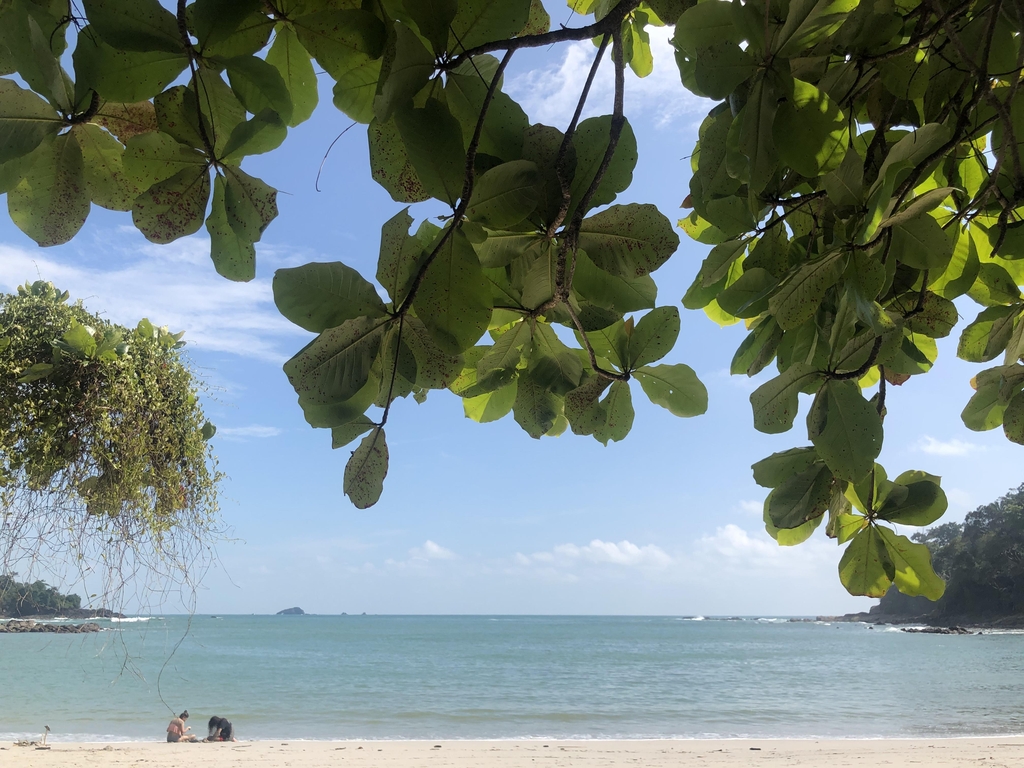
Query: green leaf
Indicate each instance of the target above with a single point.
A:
(409, 72)
(263, 133)
(390, 166)
(552, 365)
(994, 286)
(177, 115)
(675, 387)
(719, 68)
(320, 296)
(846, 430)
(433, 140)
(233, 256)
(758, 349)
(51, 202)
(336, 364)
(801, 497)
(139, 25)
(366, 470)
(845, 185)
(628, 240)
(491, 406)
(921, 243)
(535, 408)
(541, 143)
(1013, 419)
(866, 567)
(923, 504)
(810, 131)
(610, 291)
(591, 144)
(35, 372)
(356, 88)
(912, 562)
(937, 317)
(174, 207)
(505, 195)
(751, 152)
(505, 123)
(653, 337)
(155, 156)
(986, 338)
(539, 284)
(250, 204)
(482, 21)
(749, 295)
(259, 85)
(214, 20)
(619, 414)
(775, 402)
(432, 19)
(35, 61)
(81, 339)
(343, 434)
(220, 109)
(341, 40)
(498, 365)
(292, 61)
(717, 263)
(774, 470)
(985, 409)
(705, 24)
(454, 299)
(800, 295)
(539, 21)
(790, 537)
(808, 22)
(25, 120)
(500, 248)
(106, 181)
(400, 255)
(208, 430)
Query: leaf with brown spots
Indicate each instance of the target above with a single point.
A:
(233, 256)
(390, 166)
(366, 470)
(50, 203)
(250, 204)
(174, 207)
(126, 120)
(628, 240)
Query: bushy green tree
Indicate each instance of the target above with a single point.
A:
(860, 169)
(36, 599)
(104, 459)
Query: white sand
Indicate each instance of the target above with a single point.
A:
(923, 753)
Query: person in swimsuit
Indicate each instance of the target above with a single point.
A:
(220, 729)
(178, 731)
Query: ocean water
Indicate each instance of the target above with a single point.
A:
(425, 677)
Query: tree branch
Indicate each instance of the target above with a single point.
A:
(608, 25)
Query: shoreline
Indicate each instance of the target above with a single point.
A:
(947, 752)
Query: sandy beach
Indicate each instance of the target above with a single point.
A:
(937, 753)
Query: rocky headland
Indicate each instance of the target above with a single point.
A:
(21, 626)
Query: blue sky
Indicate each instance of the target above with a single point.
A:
(481, 518)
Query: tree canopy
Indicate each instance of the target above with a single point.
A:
(104, 460)
(859, 170)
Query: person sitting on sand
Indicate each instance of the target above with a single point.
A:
(220, 729)
(178, 731)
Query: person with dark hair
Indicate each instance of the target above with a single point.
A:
(178, 731)
(220, 729)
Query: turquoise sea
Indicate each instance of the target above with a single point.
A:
(503, 677)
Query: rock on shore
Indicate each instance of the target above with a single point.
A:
(17, 626)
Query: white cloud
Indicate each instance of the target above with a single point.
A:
(960, 499)
(549, 94)
(432, 551)
(732, 546)
(599, 552)
(953, 447)
(420, 557)
(751, 507)
(245, 433)
(173, 285)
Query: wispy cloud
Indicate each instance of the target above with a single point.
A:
(173, 285)
(431, 550)
(257, 431)
(732, 546)
(751, 507)
(598, 552)
(953, 447)
(549, 94)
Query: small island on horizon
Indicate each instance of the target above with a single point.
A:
(296, 611)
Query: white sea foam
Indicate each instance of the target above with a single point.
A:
(130, 618)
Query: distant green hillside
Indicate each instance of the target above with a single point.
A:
(36, 599)
(982, 561)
